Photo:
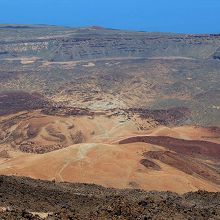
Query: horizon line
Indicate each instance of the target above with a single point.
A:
(99, 27)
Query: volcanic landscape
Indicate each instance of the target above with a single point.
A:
(126, 110)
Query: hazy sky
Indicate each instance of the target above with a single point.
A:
(188, 16)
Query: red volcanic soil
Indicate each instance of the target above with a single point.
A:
(186, 164)
(186, 147)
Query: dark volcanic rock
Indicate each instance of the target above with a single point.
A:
(24, 196)
(150, 164)
(187, 147)
(13, 102)
(163, 116)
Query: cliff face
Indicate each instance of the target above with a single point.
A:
(60, 44)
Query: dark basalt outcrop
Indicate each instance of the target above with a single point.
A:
(164, 116)
(186, 147)
(13, 102)
(150, 164)
(188, 165)
(66, 111)
(38, 149)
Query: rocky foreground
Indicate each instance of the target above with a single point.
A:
(25, 198)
